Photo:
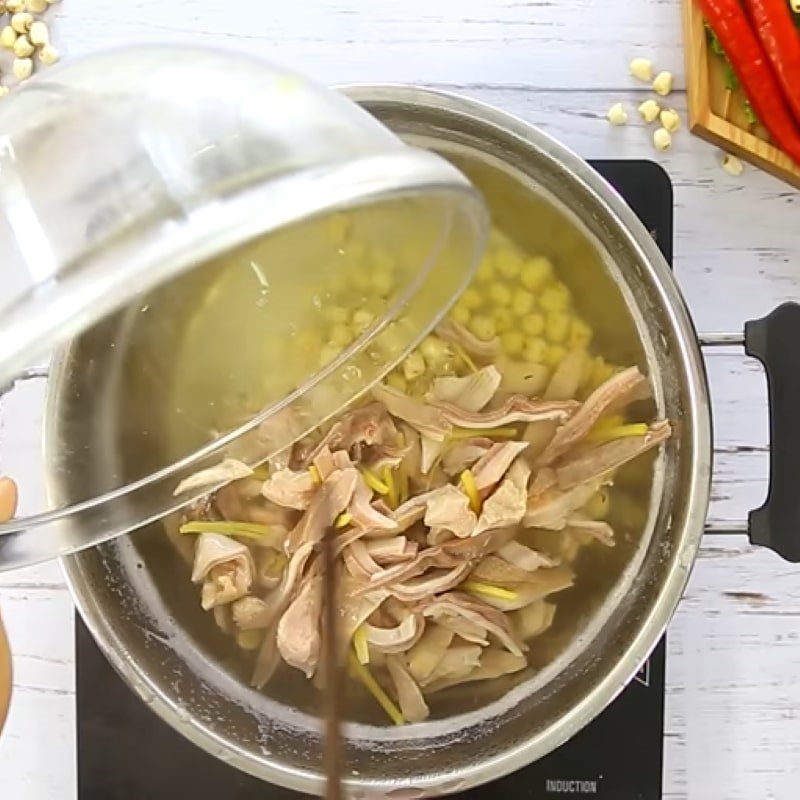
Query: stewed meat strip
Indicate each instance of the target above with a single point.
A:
(395, 639)
(290, 489)
(533, 620)
(470, 392)
(482, 352)
(225, 568)
(524, 557)
(434, 582)
(458, 662)
(247, 612)
(596, 529)
(617, 392)
(507, 506)
(448, 509)
(516, 408)
(491, 467)
(457, 604)
(423, 657)
(539, 585)
(595, 462)
(298, 635)
(229, 470)
(412, 703)
(369, 424)
(426, 419)
(332, 497)
(462, 455)
(494, 663)
(551, 508)
(363, 513)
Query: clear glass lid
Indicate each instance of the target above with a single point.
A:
(220, 256)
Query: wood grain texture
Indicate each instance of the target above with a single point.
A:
(733, 667)
(716, 113)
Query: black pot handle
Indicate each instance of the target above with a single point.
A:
(775, 341)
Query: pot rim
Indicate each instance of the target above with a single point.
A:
(697, 486)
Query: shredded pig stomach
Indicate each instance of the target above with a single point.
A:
(501, 424)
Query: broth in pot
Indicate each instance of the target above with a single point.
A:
(493, 490)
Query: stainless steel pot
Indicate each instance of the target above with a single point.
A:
(144, 615)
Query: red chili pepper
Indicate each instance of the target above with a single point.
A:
(748, 59)
(781, 40)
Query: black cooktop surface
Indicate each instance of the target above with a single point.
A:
(125, 752)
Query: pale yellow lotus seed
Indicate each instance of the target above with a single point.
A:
(21, 22)
(670, 119)
(23, 68)
(39, 34)
(49, 55)
(15, 6)
(22, 47)
(36, 6)
(617, 115)
(8, 36)
(642, 69)
(662, 139)
(662, 84)
(731, 164)
(649, 110)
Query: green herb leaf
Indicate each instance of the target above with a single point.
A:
(731, 81)
(752, 119)
(713, 42)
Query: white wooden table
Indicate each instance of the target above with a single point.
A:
(733, 690)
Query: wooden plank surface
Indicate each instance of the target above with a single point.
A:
(733, 699)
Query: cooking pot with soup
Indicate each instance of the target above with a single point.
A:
(506, 425)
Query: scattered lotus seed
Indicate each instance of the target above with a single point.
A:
(649, 110)
(731, 164)
(534, 350)
(522, 302)
(536, 272)
(22, 47)
(8, 36)
(500, 294)
(414, 366)
(533, 324)
(23, 67)
(642, 69)
(617, 114)
(503, 318)
(483, 327)
(662, 139)
(512, 342)
(21, 22)
(39, 34)
(663, 83)
(460, 314)
(670, 119)
(49, 55)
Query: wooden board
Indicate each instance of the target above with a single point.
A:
(716, 113)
